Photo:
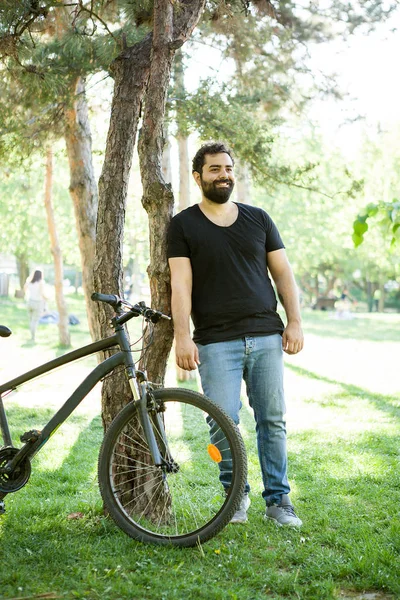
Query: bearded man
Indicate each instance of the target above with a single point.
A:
(221, 254)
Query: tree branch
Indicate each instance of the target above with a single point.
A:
(186, 16)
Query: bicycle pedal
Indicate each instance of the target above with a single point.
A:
(30, 436)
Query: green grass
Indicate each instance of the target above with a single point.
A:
(376, 327)
(343, 423)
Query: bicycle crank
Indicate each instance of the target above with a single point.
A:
(14, 481)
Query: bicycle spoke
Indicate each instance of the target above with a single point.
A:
(184, 500)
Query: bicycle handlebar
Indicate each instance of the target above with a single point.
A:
(108, 298)
(136, 310)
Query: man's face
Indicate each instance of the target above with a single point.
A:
(217, 179)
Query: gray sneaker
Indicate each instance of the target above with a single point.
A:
(283, 513)
(240, 515)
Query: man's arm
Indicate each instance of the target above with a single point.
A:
(187, 356)
(282, 274)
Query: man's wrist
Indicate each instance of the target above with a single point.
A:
(294, 321)
(183, 337)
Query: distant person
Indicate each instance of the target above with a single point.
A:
(36, 297)
(377, 297)
(345, 296)
(343, 306)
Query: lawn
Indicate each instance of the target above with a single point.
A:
(343, 397)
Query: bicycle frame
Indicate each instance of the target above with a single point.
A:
(123, 357)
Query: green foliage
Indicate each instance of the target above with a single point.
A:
(388, 217)
(45, 58)
(314, 225)
(23, 217)
(251, 134)
(380, 166)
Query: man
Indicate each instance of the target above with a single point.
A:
(219, 254)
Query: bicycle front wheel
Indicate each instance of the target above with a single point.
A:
(183, 502)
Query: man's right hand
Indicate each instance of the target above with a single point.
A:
(187, 355)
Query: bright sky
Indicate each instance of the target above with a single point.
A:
(366, 68)
(367, 72)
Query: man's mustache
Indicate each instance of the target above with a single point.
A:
(228, 181)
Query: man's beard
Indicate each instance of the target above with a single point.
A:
(215, 193)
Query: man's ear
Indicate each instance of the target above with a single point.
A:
(197, 178)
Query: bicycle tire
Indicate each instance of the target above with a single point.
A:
(195, 506)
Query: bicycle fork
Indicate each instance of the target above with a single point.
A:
(140, 396)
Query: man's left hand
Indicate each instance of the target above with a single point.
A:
(292, 338)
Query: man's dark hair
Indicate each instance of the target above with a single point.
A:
(209, 148)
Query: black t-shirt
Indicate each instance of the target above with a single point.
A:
(232, 293)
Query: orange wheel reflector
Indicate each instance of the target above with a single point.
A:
(214, 453)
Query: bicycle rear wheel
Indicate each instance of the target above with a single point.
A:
(184, 502)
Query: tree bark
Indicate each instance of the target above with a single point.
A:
(64, 337)
(184, 168)
(381, 301)
(166, 159)
(169, 33)
(83, 189)
(131, 71)
(157, 195)
(148, 63)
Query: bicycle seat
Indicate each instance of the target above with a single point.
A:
(5, 331)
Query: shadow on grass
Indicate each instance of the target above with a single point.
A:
(385, 403)
(349, 539)
(76, 468)
(69, 483)
(24, 418)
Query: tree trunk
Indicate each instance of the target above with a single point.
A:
(381, 301)
(166, 159)
(83, 189)
(184, 168)
(241, 170)
(182, 133)
(370, 295)
(131, 72)
(170, 31)
(243, 188)
(184, 172)
(157, 198)
(23, 271)
(331, 281)
(64, 337)
(184, 202)
(316, 287)
(157, 195)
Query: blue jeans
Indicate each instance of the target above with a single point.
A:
(259, 361)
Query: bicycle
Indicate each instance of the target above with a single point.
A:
(161, 460)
